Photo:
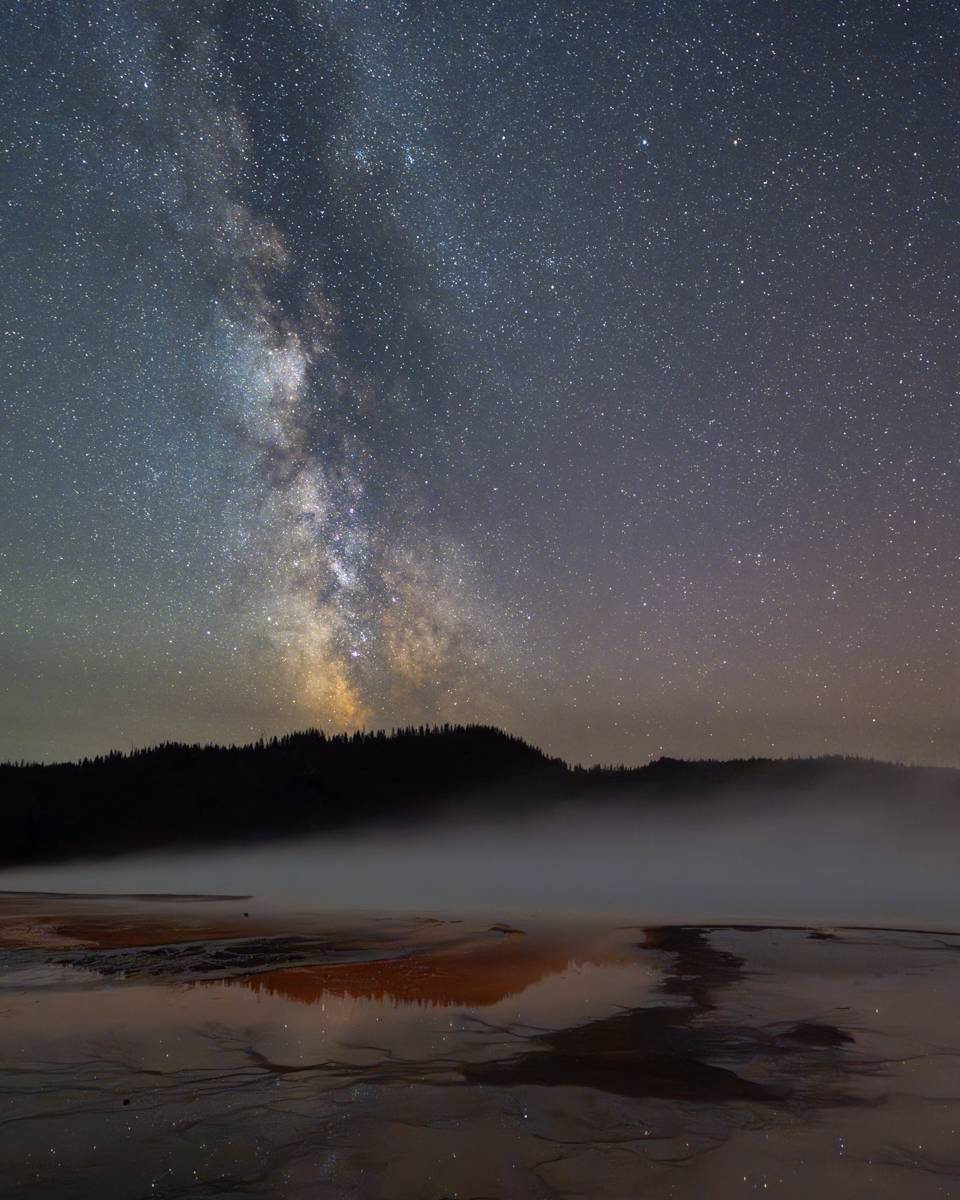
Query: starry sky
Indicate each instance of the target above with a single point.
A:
(585, 368)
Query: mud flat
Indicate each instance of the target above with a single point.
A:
(187, 1046)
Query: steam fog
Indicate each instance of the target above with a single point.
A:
(816, 858)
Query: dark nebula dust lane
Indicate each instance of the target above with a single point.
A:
(584, 369)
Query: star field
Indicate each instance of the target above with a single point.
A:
(589, 369)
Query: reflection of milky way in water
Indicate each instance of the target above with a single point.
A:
(477, 1061)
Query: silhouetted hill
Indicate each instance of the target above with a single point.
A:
(179, 795)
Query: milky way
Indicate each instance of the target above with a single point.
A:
(589, 369)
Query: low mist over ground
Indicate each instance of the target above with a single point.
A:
(830, 840)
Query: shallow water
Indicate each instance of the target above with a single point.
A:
(174, 1048)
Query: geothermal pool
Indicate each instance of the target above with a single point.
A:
(188, 1047)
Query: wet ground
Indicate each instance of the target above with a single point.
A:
(181, 1046)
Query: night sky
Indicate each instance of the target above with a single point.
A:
(586, 368)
